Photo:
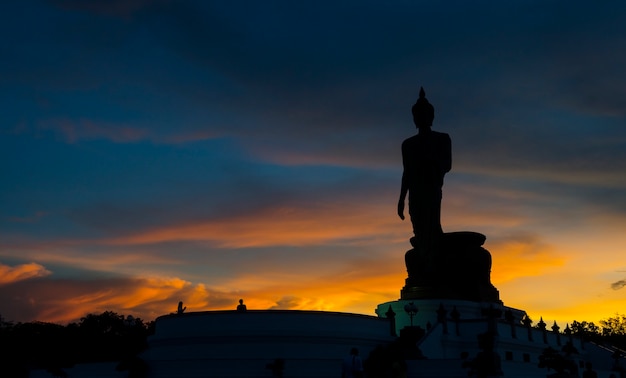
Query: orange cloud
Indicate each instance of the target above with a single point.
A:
(21, 272)
(63, 300)
(282, 226)
(356, 286)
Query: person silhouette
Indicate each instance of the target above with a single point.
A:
(426, 158)
(241, 306)
(352, 366)
(181, 309)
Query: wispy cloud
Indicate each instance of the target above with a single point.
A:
(11, 274)
(275, 226)
(618, 284)
(73, 131)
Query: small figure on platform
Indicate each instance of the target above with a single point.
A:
(426, 158)
(352, 366)
(241, 306)
(181, 309)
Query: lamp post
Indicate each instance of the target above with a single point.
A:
(411, 309)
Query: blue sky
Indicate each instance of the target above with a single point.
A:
(206, 151)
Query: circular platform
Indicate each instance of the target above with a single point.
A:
(244, 344)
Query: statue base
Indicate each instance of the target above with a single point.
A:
(458, 268)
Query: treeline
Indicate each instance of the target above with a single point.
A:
(107, 337)
(610, 331)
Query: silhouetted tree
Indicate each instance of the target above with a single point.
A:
(614, 326)
(34, 345)
(584, 328)
(110, 337)
(96, 338)
(614, 330)
(587, 331)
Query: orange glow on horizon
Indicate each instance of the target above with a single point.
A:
(525, 268)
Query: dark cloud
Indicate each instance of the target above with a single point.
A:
(29, 300)
(282, 85)
(618, 284)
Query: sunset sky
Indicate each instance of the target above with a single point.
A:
(206, 151)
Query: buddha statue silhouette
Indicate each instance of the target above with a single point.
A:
(440, 265)
(426, 158)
